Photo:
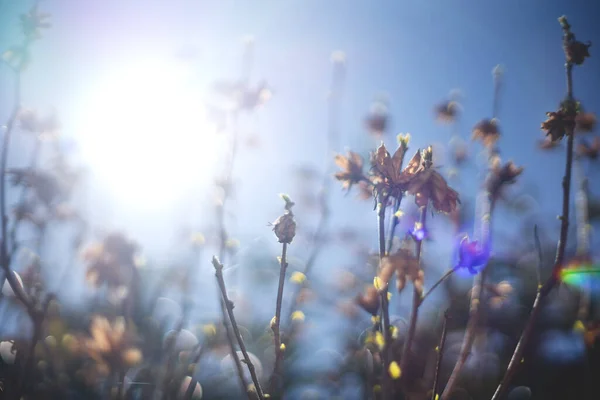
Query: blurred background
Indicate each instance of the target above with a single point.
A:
(140, 89)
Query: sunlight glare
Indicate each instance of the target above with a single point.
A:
(145, 136)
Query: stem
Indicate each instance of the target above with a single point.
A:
(440, 349)
(416, 301)
(469, 335)
(223, 245)
(32, 165)
(435, 285)
(229, 306)
(387, 334)
(192, 386)
(394, 224)
(277, 375)
(543, 291)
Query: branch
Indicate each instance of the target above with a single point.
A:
(394, 224)
(277, 375)
(544, 290)
(435, 285)
(416, 301)
(385, 312)
(440, 350)
(229, 306)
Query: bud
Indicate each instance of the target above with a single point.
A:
(285, 228)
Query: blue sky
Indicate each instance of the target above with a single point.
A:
(414, 51)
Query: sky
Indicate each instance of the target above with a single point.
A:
(413, 51)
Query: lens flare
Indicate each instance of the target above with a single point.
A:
(581, 272)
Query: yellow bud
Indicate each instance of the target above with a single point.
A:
(399, 214)
(209, 330)
(132, 356)
(298, 316)
(375, 319)
(578, 326)
(378, 283)
(379, 340)
(273, 322)
(403, 140)
(197, 239)
(282, 347)
(298, 277)
(139, 261)
(522, 360)
(394, 331)
(394, 370)
(389, 296)
(377, 388)
(232, 243)
(437, 349)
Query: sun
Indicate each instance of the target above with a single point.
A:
(144, 134)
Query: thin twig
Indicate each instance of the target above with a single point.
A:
(223, 236)
(385, 312)
(416, 301)
(435, 285)
(229, 306)
(394, 223)
(538, 247)
(470, 334)
(193, 382)
(440, 351)
(277, 375)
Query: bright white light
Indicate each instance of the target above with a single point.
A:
(144, 134)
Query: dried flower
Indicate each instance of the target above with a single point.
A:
(459, 149)
(558, 124)
(352, 166)
(406, 265)
(111, 261)
(501, 175)
(430, 185)
(45, 186)
(447, 112)
(111, 344)
(388, 175)
(370, 300)
(577, 51)
(365, 190)
(487, 132)
(548, 144)
(500, 293)
(585, 122)
(17, 57)
(33, 22)
(589, 150)
(378, 119)
(31, 122)
(471, 255)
